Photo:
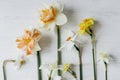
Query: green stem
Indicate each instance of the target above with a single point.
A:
(93, 57)
(49, 78)
(80, 63)
(72, 72)
(106, 76)
(4, 72)
(38, 65)
(58, 52)
(3, 67)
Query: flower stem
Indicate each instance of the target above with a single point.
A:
(49, 78)
(72, 72)
(3, 67)
(80, 63)
(38, 65)
(93, 57)
(4, 72)
(106, 71)
(58, 52)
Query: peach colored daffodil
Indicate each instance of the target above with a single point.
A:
(52, 15)
(29, 41)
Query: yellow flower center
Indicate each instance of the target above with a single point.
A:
(66, 67)
(26, 40)
(48, 15)
(21, 62)
(68, 39)
(103, 55)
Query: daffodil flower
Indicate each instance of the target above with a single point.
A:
(52, 15)
(66, 68)
(70, 42)
(20, 61)
(105, 59)
(85, 26)
(51, 68)
(29, 41)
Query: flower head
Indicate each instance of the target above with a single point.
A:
(20, 61)
(104, 57)
(85, 25)
(52, 16)
(29, 41)
(69, 42)
(66, 67)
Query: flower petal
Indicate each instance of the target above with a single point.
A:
(63, 46)
(70, 45)
(61, 19)
(58, 5)
(51, 26)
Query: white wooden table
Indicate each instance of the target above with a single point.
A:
(15, 15)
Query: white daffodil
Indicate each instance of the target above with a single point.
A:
(70, 42)
(52, 68)
(29, 41)
(52, 15)
(105, 58)
(20, 61)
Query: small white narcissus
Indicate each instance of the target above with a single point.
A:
(20, 61)
(104, 57)
(52, 15)
(70, 42)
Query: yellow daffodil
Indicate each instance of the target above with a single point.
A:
(85, 24)
(52, 15)
(29, 41)
(66, 67)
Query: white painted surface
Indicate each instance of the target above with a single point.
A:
(15, 15)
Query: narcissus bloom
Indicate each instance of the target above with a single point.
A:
(105, 58)
(52, 15)
(29, 41)
(66, 67)
(85, 24)
(20, 61)
(70, 42)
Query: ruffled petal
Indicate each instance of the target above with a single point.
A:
(61, 19)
